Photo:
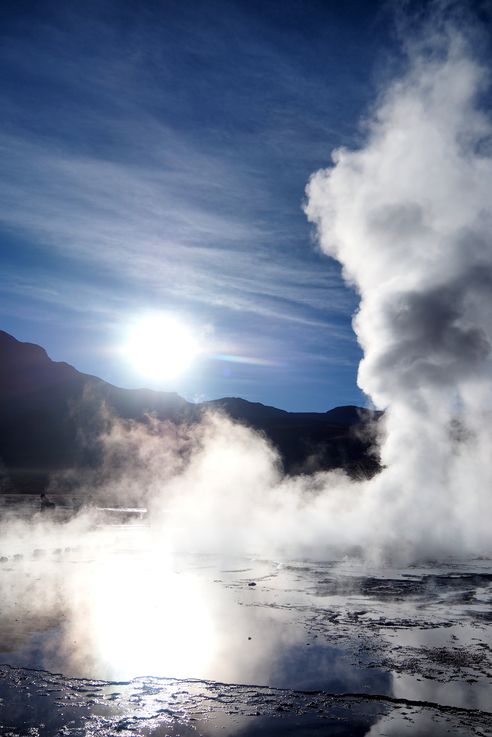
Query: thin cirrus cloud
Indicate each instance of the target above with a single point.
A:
(161, 162)
(138, 223)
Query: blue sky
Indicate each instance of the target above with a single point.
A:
(155, 156)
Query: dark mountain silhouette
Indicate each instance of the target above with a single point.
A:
(50, 419)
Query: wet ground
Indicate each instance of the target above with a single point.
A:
(151, 643)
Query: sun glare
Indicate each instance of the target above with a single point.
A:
(160, 347)
(148, 620)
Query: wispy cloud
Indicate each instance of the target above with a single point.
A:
(157, 228)
(151, 173)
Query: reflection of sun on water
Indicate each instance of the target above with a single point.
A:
(149, 620)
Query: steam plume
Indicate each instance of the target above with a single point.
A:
(409, 217)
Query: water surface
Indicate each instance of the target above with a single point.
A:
(230, 643)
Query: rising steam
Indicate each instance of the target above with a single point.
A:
(409, 217)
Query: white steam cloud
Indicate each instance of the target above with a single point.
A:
(409, 217)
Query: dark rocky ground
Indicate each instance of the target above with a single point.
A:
(41, 703)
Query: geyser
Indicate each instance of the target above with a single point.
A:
(409, 217)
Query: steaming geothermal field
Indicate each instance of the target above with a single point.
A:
(104, 630)
(181, 578)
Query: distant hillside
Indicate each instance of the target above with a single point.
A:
(48, 407)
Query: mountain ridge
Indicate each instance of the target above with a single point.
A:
(40, 429)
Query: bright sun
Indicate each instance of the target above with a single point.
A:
(160, 347)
